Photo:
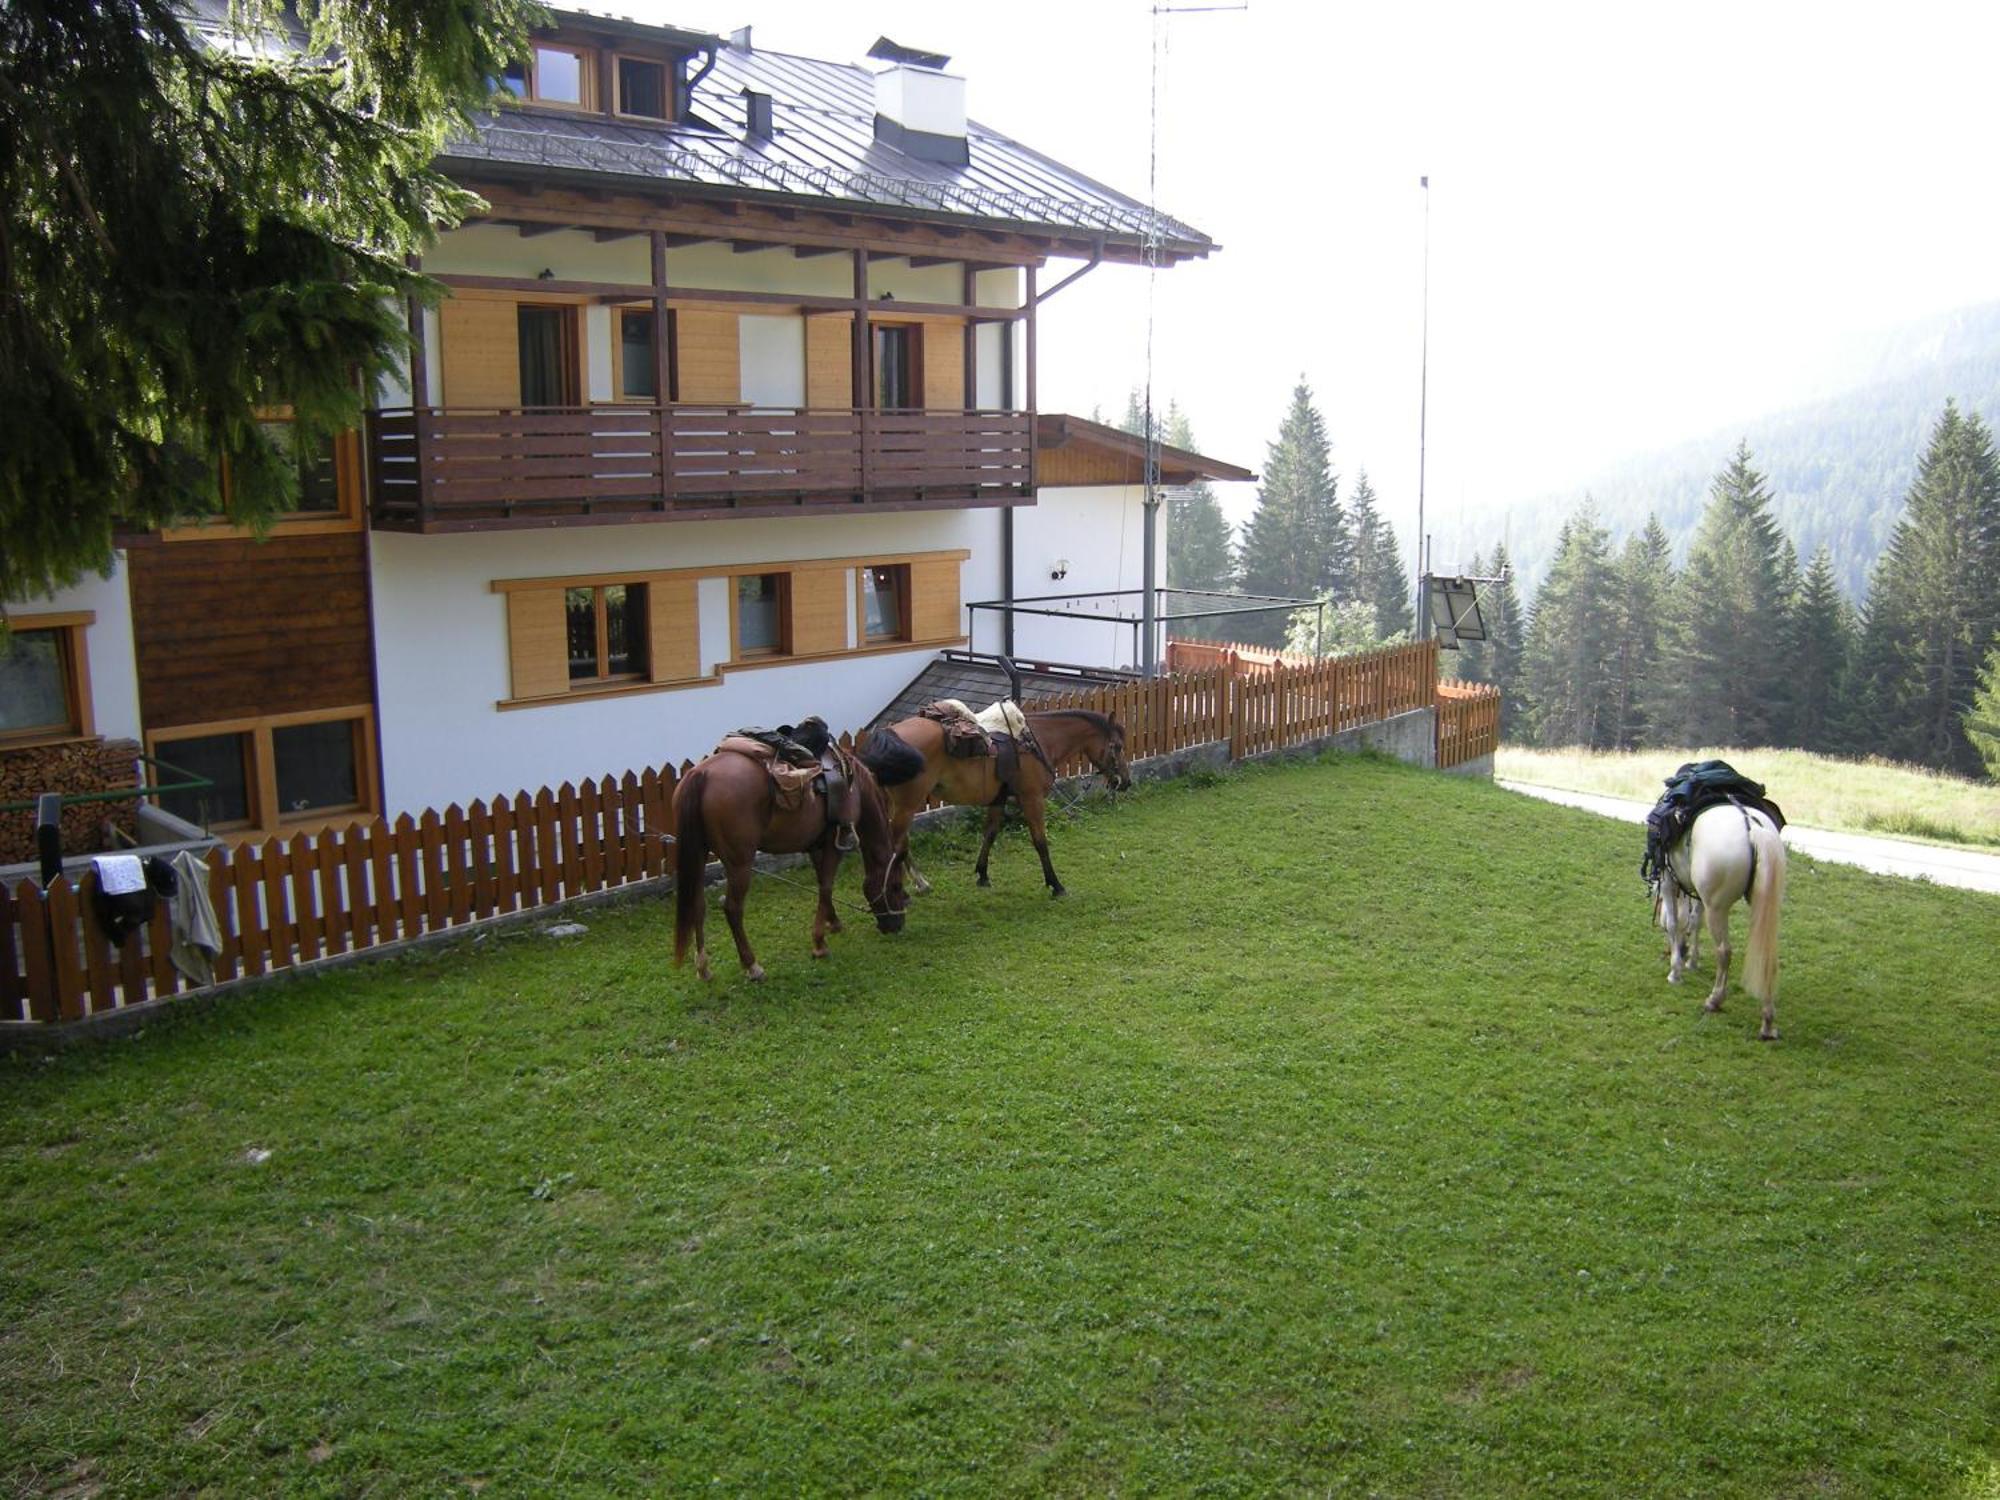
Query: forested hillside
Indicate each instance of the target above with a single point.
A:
(1838, 469)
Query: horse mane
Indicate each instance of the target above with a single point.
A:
(1102, 723)
(890, 758)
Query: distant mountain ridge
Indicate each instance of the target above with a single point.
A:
(1838, 467)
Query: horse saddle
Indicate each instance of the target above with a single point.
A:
(963, 737)
(1691, 791)
(797, 773)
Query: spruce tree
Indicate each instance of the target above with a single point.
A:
(1643, 584)
(1378, 565)
(1284, 543)
(1932, 615)
(194, 228)
(1563, 676)
(1721, 676)
(1982, 717)
(1817, 655)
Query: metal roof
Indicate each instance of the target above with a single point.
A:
(823, 147)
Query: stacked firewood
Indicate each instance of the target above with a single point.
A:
(94, 765)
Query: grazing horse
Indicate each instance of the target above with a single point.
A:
(728, 805)
(1729, 854)
(974, 781)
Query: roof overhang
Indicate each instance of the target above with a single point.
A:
(1123, 454)
(671, 36)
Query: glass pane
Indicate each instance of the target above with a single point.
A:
(882, 602)
(319, 489)
(558, 76)
(544, 369)
(624, 628)
(757, 622)
(580, 610)
(892, 368)
(219, 757)
(515, 80)
(635, 340)
(315, 766)
(34, 689)
(642, 88)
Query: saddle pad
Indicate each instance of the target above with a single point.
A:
(793, 783)
(1004, 717)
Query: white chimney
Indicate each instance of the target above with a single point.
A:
(919, 108)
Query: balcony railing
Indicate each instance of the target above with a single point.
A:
(454, 468)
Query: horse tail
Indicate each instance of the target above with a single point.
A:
(690, 857)
(1767, 893)
(890, 758)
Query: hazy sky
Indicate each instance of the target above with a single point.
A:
(1646, 222)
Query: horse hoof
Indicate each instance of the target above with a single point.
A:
(1769, 1034)
(703, 972)
(756, 973)
(1713, 1002)
(984, 883)
(1057, 892)
(822, 951)
(1673, 979)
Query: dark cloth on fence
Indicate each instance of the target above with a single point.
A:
(1691, 791)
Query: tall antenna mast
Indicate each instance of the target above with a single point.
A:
(1149, 610)
(1420, 621)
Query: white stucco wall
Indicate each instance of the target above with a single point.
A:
(1100, 532)
(441, 649)
(114, 663)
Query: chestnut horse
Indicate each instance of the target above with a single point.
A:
(728, 805)
(974, 781)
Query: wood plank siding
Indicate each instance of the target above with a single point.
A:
(229, 629)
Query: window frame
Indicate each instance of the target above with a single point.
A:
(738, 652)
(586, 64)
(260, 781)
(345, 515)
(667, 81)
(640, 647)
(73, 661)
(913, 363)
(905, 605)
(618, 396)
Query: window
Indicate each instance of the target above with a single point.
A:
(637, 376)
(329, 486)
(548, 355)
(221, 758)
(319, 479)
(896, 380)
(271, 772)
(553, 74)
(760, 615)
(605, 626)
(885, 597)
(642, 88)
(44, 684)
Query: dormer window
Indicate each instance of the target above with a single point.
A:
(642, 89)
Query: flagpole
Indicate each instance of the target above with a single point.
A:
(1420, 621)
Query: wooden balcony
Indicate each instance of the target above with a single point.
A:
(457, 469)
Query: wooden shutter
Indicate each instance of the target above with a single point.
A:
(711, 356)
(934, 614)
(481, 357)
(830, 360)
(673, 630)
(944, 366)
(819, 611)
(537, 642)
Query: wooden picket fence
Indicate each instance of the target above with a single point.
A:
(1468, 722)
(336, 890)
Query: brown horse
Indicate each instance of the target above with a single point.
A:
(974, 781)
(728, 805)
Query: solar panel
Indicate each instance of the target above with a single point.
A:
(1455, 612)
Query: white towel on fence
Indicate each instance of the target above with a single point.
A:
(197, 935)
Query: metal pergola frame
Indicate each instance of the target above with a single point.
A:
(1163, 611)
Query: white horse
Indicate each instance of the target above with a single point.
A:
(1730, 854)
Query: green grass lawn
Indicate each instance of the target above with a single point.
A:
(1338, 1133)
(1819, 791)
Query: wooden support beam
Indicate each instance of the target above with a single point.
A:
(745, 247)
(809, 252)
(663, 375)
(535, 231)
(918, 262)
(606, 236)
(864, 385)
(968, 294)
(1029, 354)
(886, 255)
